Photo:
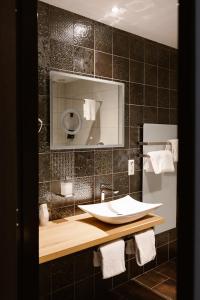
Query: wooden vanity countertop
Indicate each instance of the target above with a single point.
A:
(69, 235)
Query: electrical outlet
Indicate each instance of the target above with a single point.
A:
(131, 167)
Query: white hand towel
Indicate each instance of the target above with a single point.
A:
(130, 247)
(172, 145)
(113, 258)
(147, 165)
(162, 161)
(89, 109)
(145, 249)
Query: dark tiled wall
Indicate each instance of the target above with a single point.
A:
(73, 276)
(149, 71)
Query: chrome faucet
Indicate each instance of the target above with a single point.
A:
(106, 188)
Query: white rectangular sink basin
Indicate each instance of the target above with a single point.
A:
(119, 211)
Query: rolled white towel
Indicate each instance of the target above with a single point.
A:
(162, 161)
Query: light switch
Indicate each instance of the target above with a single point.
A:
(131, 167)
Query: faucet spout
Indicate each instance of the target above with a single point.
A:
(105, 188)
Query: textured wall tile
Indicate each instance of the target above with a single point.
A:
(44, 167)
(44, 188)
(150, 114)
(137, 48)
(120, 43)
(61, 25)
(136, 115)
(43, 81)
(120, 160)
(43, 19)
(151, 53)
(121, 183)
(103, 37)
(63, 293)
(103, 64)
(163, 77)
(150, 74)
(83, 32)
(84, 163)
(83, 60)
(136, 94)
(83, 189)
(163, 57)
(163, 116)
(102, 162)
(43, 52)
(43, 109)
(163, 97)
(61, 55)
(62, 212)
(150, 95)
(120, 68)
(44, 139)
(62, 165)
(136, 71)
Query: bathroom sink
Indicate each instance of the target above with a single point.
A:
(119, 211)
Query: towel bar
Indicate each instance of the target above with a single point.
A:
(153, 143)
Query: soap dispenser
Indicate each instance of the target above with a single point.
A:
(43, 214)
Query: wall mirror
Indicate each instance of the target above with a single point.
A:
(85, 112)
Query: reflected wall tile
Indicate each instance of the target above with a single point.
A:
(134, 136)
(133, 154)
(136, 71)
(173, 80)
(44, 189)
(43, 81)
(136, 115)
(103, 37)
(83, 60)
(120, 43)
(173, 116)
(120, 68)
(102, 162)
(62, 293)
(136, 94)
(151, 52)
(150, 95)
(150, 114)
(43, 108)
(83, 32)
(62, 212)
(163, 77)
(62, 272)
(173, 99)
(163, 97)
(173, 59)
(137, 48)
(84, 289)
(163, 116)
(43, 19)
(83, 264)
(162, 254)
(103, 64)
(150, 74)
(163, 56)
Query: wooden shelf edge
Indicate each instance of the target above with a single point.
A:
(114, 233)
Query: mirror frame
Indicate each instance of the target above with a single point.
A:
(53, 74)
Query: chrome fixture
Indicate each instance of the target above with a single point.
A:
(106, 188)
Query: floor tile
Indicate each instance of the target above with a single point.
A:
(151, 278)
(168, 269)
(167, 288)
